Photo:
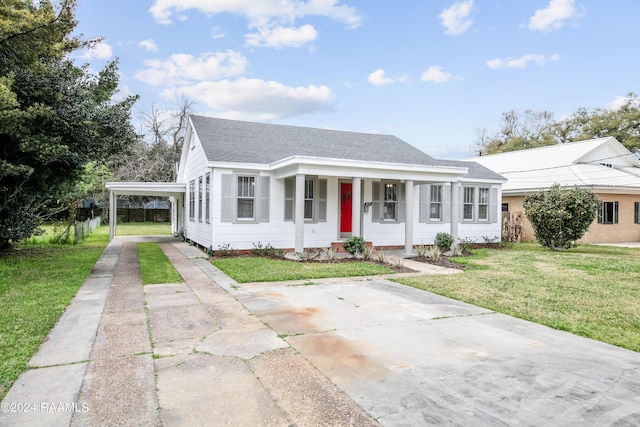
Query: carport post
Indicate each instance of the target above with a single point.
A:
(112, 215)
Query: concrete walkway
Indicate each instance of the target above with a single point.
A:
(360, 352)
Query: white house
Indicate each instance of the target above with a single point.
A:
(296, 187)
(601, 165)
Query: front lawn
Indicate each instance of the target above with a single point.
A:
(37, 283)
(143, 229)
(253, 269)
(593, 291)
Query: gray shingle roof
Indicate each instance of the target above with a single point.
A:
(248, 142)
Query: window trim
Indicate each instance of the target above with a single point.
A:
(615, 206)
(439, 203)
(200, 181)
(466, 203)
(207, 198)
(487, 204)
(192, 201)
(384, 201)
(493, 199)
(312, 199)
(253, 197)
(378, 202)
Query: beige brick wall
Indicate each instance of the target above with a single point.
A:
(624, 231)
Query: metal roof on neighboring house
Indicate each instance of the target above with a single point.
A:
(263, 143)
(601, 163)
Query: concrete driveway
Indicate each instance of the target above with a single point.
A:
(408, 357)
(333, 353)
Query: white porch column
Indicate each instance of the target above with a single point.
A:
(356, 203)
(299, 213)
(113, 215)
(455, 209)
(408, 217)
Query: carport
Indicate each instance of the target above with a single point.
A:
(174, 190)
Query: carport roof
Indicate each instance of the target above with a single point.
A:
(168, 189)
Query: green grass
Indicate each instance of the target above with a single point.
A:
(593, 291)
(37, 283)
(249, 269)
(143, 229)
(155, 267)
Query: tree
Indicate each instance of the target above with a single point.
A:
(536, 129)
(518, 132)
(154, 157)
(55, 117)
(560, 216)
(622, 123)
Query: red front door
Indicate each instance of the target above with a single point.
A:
(345, 207)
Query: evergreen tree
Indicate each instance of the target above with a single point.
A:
(55, 116)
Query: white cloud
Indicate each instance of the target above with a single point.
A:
(273, 18)
(100, 50)
(621, 101)
(553, 16)
(378, 78)
(455, 19)
(149, 45)
(279, 37)
(257, 99)
(182, 68)
(435, 74)
(521, 62)
(617, 103)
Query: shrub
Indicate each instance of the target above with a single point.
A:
(443, 241)
(560, 216)
(264, 251)
(308, 255)
(422, 251)
(225, 250)
(329, 253)
(354, 245)
(466, 245)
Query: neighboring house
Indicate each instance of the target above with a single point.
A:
(602, 165)
(298, 188)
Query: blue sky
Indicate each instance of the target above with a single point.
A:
(431, 72)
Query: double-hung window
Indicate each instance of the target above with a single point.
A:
(483, 204)
(200, 199)
(207, 198)
(390, 202)
(636, 213)
(309, 194)
(246, 198)
(192, 199)
(468, 203)
(435, 203)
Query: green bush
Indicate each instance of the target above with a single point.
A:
(443, 241)
(560, 216)
(354, 245)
